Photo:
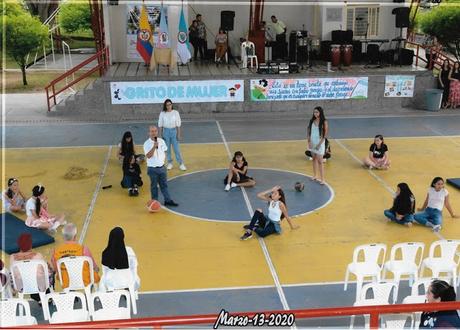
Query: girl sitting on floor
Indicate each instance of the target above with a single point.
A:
(13, 198)
(403, 208)
(37, 211)
(277, 211)
(378, 155)
(131, 175)
(237, 173)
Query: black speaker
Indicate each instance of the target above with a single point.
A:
(226, 20)
(326, 50)
(373, 53)
(407, 56)
(357, 51)
(348, 37)
(402, 16)
(113, 2)
(338, 37)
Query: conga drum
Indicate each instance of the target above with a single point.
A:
(347, 53)
(335, 55)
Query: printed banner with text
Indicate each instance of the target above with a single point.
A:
(338, 88)
(399, 86)
(145, 92)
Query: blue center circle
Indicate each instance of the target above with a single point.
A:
(201, 194)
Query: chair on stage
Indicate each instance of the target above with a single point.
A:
(248, 52)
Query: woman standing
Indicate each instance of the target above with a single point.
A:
(237, 173)
(454, 92)
(193, 37)
(402, 211)
(37, 211)
(444, 83)
(13, 199)
(378, 155)
(316, 135)
(169, 124)
(277, 211)
(431, 211)
(221, 45)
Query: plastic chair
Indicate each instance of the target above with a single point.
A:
(447, 262)
(369, 267)
(409, 264)
(417, 298)
(248, 52)
(396, 321)
(226, 57)
(9, 309)
(28, 272)
(5, 289)
(381, 296)
(66, 310)
(118, 279)
(110, 302)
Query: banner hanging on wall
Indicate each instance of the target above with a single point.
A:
(399, 86)
(337, 88)
(146, 92)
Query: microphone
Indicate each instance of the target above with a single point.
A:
(156, 140)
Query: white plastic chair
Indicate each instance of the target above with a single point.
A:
(110, 302)
(408, 264)
(248, 52)
(9, 310)
(417, 298)
(381, 296)
(28, 273)
(447, 262)
(5, 289)
(396, 321)
(66, 310)
(370, 266)
(116, 279)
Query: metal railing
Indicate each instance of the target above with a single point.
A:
(436, 59)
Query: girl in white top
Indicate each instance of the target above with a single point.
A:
(317, 132)
(169, 124)
(13, 199)
(277, 211)
(431, 211)
(37, 211)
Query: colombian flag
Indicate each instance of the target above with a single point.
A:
(144, 37)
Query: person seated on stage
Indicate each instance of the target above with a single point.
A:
(131, 175)
(127, 147)
(37, 211)
(69, 248)
(13, 198)
(279, 28)
(221, 45)
(277, 211)
(402, 211)
(327, 152)
(378, 155)
(237, 173)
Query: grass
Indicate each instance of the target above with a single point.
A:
(37, 80)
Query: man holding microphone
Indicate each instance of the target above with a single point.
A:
(154, 150)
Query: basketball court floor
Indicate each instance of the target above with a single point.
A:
(191, 260)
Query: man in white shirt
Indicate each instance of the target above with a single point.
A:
(280, 29)
(154, 149)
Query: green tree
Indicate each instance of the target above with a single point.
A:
(443, 22)
(23, 34)
(75, 16)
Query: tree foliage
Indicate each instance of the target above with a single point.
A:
(75, 16)
(444, 23)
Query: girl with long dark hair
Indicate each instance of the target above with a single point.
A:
(238, 173)
(37, 211)
(126, 147)
(444, 82)
(131, 175)
(430, 214)
(317, 132)
(402, 211)
(13, 198)
(378, 155)
(277, 211)
(454, 90)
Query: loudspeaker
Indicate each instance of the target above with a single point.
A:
(402, 16)
(326, 50)
(226, 20)
(348, 37)
(373, 53)
(338, 37)
(113, 2)
(357, 51)
(407, 56)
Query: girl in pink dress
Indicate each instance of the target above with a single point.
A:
(37, 211)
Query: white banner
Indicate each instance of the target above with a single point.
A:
(399, 86)
(146, 92)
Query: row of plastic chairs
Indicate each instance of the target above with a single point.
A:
(369, 261)
(68, 307)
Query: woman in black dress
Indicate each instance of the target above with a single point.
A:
(444, 83)
(237, 173)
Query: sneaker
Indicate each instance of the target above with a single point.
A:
(408, 224)
(233, 185)
(324, 160)
(309, 158)
(246, 235)
(171, 203)
(227, 187)
(436, 228)
(135, 192)
(170, 166)
(182, 167)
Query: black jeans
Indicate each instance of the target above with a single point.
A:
(265, 226)
(202, 48)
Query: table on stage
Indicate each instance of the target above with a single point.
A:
(163, 56)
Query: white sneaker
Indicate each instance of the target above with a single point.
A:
(233, 185)
(170, 166)
(227, 187)
(182, 167)
(324, 160)
(436, 228)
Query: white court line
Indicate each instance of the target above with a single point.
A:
(279, 289)
(447, 137)
(375, 176)
(93, 201)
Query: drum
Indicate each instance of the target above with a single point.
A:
(347, 54)
(335, 55)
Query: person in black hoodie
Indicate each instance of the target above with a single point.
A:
(131, 175)
(403, 208)
(440, 291)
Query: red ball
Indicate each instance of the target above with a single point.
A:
(153, 206)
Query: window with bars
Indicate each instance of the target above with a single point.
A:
(362, 20)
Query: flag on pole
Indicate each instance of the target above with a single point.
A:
(183, 48)
(163, 33)
(144, 44)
